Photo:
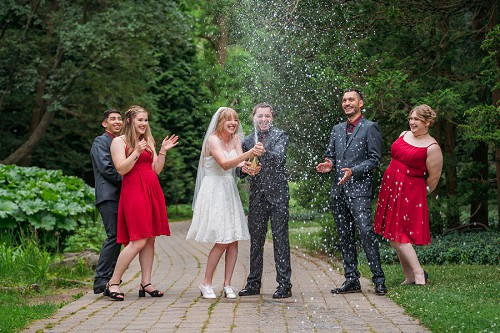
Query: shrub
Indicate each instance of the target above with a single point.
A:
(44, 202)
(479, 247)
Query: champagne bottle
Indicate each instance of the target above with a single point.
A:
(254, 162)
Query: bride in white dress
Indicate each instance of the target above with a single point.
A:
(218, 215)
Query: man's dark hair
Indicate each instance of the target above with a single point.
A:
(106, 113)
(357, 91)
(262, 105)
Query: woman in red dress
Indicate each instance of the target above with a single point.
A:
(402, 215)
(142, 213)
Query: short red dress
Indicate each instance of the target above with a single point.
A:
(142, 212)
(402, 214)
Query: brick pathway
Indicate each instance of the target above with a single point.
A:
(178, 269)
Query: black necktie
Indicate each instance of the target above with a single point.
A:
(350, 129)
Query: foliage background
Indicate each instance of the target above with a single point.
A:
(62, 63)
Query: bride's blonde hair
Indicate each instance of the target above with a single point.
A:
(129, 130)
(225, 114)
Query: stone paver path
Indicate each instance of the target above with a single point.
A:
(179, 268)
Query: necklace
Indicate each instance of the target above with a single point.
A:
(224, 143)
(416, 136)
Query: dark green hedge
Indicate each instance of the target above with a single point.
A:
(479, 247)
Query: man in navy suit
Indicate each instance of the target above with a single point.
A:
(269, 200)
(355, 149)
(107, 194)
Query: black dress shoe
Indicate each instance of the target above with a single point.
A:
(349, 286)
(249, 292)
(99, 289)
(282, 292)
(380, 289)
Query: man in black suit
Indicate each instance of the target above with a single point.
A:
(355, 149)
(269, 197)
(107, 195)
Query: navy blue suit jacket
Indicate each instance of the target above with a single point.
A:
(272, 180)
(361, 153)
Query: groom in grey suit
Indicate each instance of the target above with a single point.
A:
(355, 149)
(269, 200)
(107, 194)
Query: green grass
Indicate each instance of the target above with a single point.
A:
(180, 212)
(32, 283)
(457, 298)
(16, 312)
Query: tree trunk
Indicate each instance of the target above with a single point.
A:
(450, 133)
(32, 141)
(453, 213)
(222, 41)
(41, 118)
(496, 98)
(479, 182)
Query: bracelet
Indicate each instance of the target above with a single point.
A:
(160, 153)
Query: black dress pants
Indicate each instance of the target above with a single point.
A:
(259, 214)
(110, 248)
(350, 213)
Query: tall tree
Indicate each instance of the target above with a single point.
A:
(429, 53)
(61, 58)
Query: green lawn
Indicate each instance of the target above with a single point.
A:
(16, 312)
(457, 298)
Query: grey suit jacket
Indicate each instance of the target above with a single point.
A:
(362, 153)
(107, 179)
(272, 180)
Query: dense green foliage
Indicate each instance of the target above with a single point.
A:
(44, 202)
(62, 63)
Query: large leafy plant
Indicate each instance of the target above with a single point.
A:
(45, 202)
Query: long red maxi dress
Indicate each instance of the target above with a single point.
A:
(142, 212)
(402, 214)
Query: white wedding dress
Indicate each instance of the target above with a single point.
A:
(218, 215)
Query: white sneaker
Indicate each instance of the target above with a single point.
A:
(207, 291)
(229, 292)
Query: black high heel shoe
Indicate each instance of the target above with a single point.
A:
(426, 277)
(113, 294)
(154, 293)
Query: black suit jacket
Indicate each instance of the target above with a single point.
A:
(361, 153)
(107, 179)
(272, 180)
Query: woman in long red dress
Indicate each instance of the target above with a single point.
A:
(142, 213)
(402, 215)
